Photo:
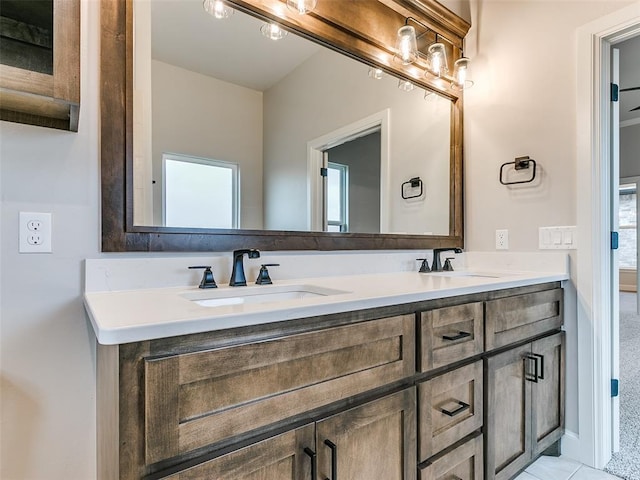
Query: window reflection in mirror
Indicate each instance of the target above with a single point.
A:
(263, 107)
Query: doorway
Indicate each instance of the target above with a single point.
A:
(593, 443)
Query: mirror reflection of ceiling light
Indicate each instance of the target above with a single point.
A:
(302, 6)
(273, 31)
(405, 85)
(217, 9)
(375, 73)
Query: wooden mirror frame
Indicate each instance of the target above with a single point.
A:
(365, 30)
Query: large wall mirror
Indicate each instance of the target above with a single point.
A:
(215, 136)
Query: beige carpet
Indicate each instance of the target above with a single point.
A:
(626, 463)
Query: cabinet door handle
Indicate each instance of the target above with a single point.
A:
(334, 459)
(539, 373)
(452, 413)
(453, 338)
(314, 462)
(531, 377)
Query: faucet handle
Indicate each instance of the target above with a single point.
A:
(424, 266)
(447, 265)
(263, 275)
(207, 277)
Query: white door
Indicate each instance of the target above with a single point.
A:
(615, 275)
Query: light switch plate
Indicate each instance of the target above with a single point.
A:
(557, 238)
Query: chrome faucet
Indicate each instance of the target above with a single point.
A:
(238, 278)
(436, 266)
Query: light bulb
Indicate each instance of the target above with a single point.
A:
(273, 31)
(217, 9)
(406, 45)
(461, 74)
(437, 57)
(302, 6)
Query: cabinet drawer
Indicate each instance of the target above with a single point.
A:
(509, 320)
(196, 399)
(281, 457)
(450, 408)
(450, 334)
(461, 463)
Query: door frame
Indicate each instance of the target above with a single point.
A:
(315, 158)
(592, 445)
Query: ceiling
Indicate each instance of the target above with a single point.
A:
(629, 77)
(231, 49)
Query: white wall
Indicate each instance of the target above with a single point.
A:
(47, 354)
(523, 103)
(330, 91)
(197, 115)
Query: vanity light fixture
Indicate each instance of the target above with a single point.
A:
(375, 73)
(301, 6)
(461, 74)
(273, 31)
(405, 85)
(217, 9)
(406, 45)
(437, 58)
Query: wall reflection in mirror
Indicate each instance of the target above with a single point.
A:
(235, 130)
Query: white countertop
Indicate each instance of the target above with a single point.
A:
(144, 314)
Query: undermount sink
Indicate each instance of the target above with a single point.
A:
(258, 294)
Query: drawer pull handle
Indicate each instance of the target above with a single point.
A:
(456, 337)
(334, 459)
(452, 413)
(314, 462)
(528, 375)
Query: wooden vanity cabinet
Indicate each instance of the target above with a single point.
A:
(376, 440)
(378, 393)
(39, 89)
(524, 412)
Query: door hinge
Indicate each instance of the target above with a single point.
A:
(614, 241)
(615, 387)
(324, 172)
(615, 92)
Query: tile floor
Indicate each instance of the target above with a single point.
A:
(562, 468)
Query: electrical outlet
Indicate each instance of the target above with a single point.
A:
(502, 239)
(35, 232)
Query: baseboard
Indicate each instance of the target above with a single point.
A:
(571, 447)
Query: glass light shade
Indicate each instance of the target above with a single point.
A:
(461, 74)
(273, 31)
(405, 85)
(375, 73)
(406, 45)
(217, 9)
(437, 59)
(302, 6)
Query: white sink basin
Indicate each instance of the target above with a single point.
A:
(258, 294)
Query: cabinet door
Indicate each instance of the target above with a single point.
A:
(507, 413)
(197, 399)
(374, 441)
(548, 392)
(282, 457)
